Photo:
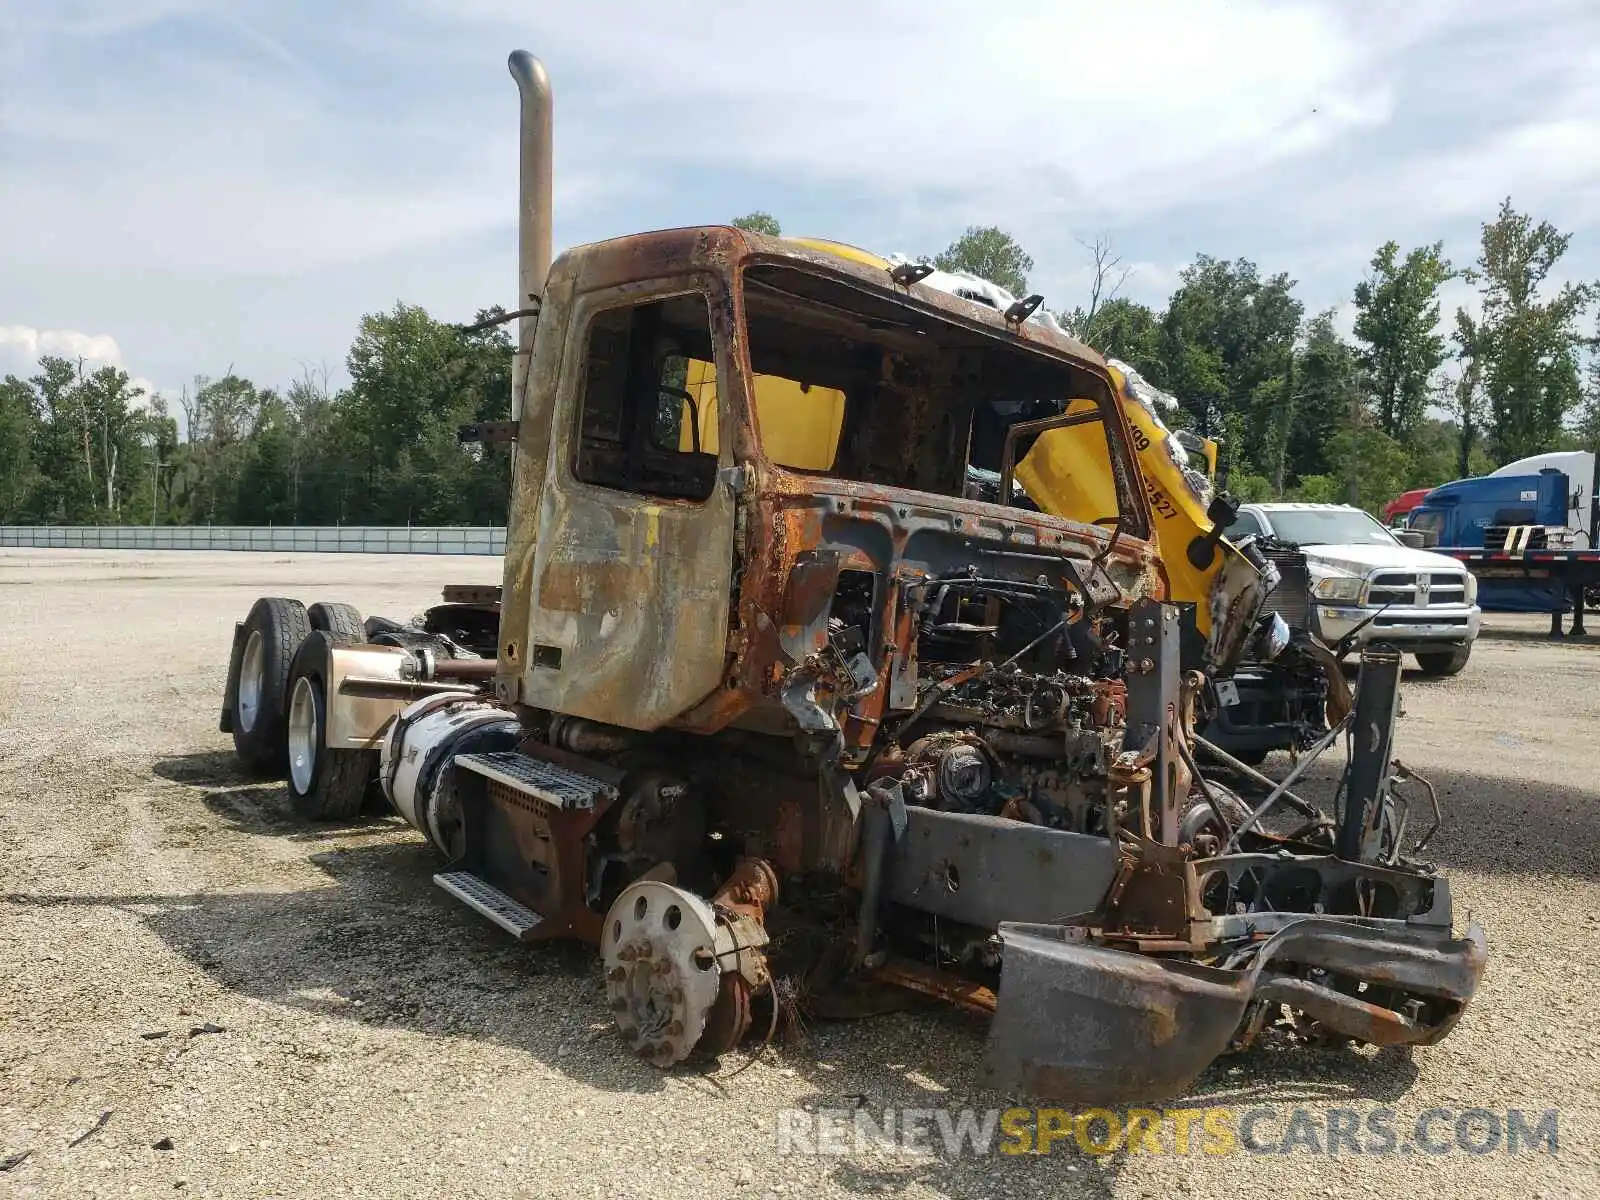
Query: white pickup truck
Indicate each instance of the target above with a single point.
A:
(1425, 603)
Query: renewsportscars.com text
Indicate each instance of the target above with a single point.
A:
(1217, 1130)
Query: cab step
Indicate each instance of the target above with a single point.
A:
(550, 784)
(511, 915)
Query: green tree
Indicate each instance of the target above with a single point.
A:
(1465, 396)
(1278, 396)
(1249, 489)
(1106, 277)
(1329, 396)
(18, 432)
(1435, 447)
(220, 416)
(1528, 337)
(991, 253)
(119, 430)
(89, 439)
(1397, 320)
(1589, 416)
(1373, 468)
(1127, 330)
(151, 501)
(1228, 339)
(265, 486)
(82, 447)
(413, 380)
(62, 448)
(1317, 489)
(759, 222)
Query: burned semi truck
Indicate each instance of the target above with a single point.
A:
(776, 712)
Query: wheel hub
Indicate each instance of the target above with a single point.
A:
(662, 972)
(303, 734)
(252, 669)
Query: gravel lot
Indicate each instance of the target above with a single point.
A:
(375, 1039)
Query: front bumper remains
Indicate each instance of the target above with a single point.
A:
(1081, 1021)
(1434, 626)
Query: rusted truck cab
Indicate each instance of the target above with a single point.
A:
(666, 566)
(756, 620)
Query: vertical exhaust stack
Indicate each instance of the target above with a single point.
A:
(535, 199)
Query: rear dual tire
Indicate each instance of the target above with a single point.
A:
(325, 784)
(273, 633)
(342, 622)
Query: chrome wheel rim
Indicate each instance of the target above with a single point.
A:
(302, 734)
(252, 669)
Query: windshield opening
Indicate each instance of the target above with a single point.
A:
(858, 386)
(1329, 527)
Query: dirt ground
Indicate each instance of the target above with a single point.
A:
(261, 1008)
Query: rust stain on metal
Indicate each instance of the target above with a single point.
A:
(938, 984)
(602, 587)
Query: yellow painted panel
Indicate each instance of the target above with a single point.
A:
(799, 425)
(842, 250)
(1067, 474)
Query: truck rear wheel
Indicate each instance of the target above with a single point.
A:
(341, 621)
(273, 632)
(324, 784)
(1444, 662)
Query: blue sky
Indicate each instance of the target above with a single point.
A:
(192, 185)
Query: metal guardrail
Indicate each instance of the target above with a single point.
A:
(304, 539)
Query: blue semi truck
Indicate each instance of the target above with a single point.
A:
(1526, 531)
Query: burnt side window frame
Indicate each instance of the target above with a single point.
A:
(594, 307)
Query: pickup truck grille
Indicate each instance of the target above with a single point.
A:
(1417, 589)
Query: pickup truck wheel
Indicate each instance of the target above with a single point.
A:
(273, 632)
(324, 784)
(341, 621)
(1444, 662)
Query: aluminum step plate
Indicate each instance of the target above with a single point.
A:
(556, 786)
(511, 915)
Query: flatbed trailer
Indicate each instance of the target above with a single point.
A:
(1575, 571)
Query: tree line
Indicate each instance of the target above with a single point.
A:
(1411, 399)
(82, 446)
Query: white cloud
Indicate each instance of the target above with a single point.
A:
(21, 347)
(67, 343)
(1539, 163)
(1123, 108)
(298, 164)
(1054, 117)
(1034, 114)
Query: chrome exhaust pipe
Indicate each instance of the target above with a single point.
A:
(535, 199)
